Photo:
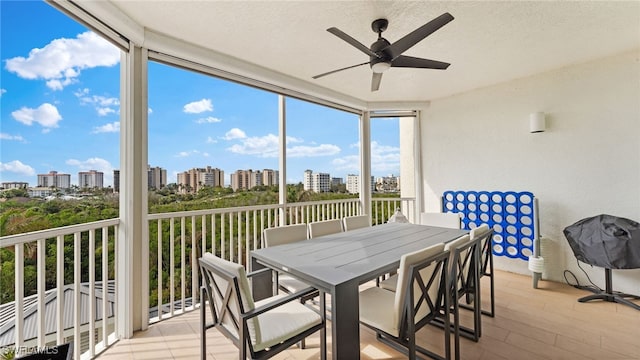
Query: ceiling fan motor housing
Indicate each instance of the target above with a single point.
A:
(383, 62)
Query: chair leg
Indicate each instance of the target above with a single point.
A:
(491, 274)
(477, 311)
(323, 331)
(203, 327)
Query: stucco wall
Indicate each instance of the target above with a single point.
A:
(586, 163)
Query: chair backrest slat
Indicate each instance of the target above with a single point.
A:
(284, 234)
(486, 247)
(321, 228)
(448, 220)
(460, 258)
(355, 222)
(422, 271)
(229, 294)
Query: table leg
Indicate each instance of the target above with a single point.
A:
(261, 284)
(345, 322)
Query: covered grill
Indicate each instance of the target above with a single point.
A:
(606, 241)
(610, 242)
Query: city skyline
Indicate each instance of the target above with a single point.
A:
(60, 112)
(158, 175)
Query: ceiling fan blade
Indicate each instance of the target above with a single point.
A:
(355, 43)
(414, 62)
(335, 71)
(375, 81)
(400, 46)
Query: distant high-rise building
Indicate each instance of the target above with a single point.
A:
(353, 184)
(388, 184)
(245, 179)
(336, 181)
(157, 177)
(270, 177)
(14, 185)
(91, 179)
(116, 180)
(196, 178)
(308, 180)
(53, 179)
(317, 182)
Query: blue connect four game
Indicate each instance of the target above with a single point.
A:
(509, 213)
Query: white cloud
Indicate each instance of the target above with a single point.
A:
(208, 120)
(235, 133)
(384, 159)
(211, 140)
(104, 105)
(46, 115)
(5, 136)
(267, 146)
(292, 140)
(105, 111)
(349, 163)
(95, 163)
(91, 164)
(183, 154)
(312, 151)
(61, 61)
(264, 146)
(17, 167)
(198, 107)
(2, 91)
(107, 128)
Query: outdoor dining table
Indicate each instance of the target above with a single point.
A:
(338, 263)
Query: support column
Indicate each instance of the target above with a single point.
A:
(132, 256)
(417, 158)
(365, 163)
(282, 164)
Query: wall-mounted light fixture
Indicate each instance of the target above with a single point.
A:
(537, 122)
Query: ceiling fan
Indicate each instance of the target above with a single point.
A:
(384, 55)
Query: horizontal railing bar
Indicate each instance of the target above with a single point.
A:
(247, 208)
(10, 240)
(217, 211)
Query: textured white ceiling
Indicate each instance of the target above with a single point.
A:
(486, 43)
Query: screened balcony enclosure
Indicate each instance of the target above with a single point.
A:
(461, 129)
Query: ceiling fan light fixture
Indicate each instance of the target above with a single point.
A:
(380, 67)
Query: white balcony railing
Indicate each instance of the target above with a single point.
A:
(54, 265)
(176, 240)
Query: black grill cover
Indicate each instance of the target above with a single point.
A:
(606, 241)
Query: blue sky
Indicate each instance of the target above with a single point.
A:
(59, 94)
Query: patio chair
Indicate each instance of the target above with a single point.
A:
(284, 235)
(464, 283)
(485, 266)
(259, 329)
(327, 227)
(420, 297)
(448, 220)
(355, 222)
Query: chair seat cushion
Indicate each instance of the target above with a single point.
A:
(291, 284)
(283, 322)
(376, 309)
(390, 283)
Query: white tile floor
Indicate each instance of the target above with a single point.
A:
(544, 323)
